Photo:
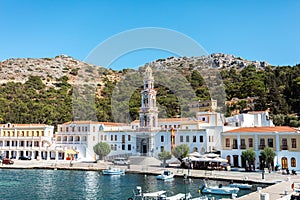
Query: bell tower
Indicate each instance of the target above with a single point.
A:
(148, 111)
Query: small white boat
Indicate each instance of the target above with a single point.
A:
(241, 185)
(219, 189)
(165, 175)
(113, 171)
(159, 195)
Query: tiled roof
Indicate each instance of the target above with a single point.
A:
(23, 125)
(93, 122)
(263, 129)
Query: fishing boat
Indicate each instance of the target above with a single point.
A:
(207, 189)
(241, 185)
(113, 171)
(165, 175)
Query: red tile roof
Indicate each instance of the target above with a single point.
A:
(264, 129)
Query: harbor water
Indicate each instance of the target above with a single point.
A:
(72, 184)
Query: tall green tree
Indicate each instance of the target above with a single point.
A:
(249, 156)
(164, 156)
(268, 156)
(181, 151)
(102, 149)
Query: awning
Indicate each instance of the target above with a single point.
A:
(71, 151)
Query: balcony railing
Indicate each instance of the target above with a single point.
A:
(243, 146)
(261, 146)
(284, 147)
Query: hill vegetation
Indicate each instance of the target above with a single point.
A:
(46, 97)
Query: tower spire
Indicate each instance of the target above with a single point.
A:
(148, 111)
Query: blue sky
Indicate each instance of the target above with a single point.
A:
(254, 30)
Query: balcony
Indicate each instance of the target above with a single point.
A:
(261, 146)
(243, 146)
(284, 147)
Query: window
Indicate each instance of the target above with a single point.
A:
(194, 138)
(166, 126)
(94, 128)
(112, 147)
(129, 147)
(294, 143)
(123, 139)
(78, 128)
(187, 138)
(293, 162)
(262, 143)
(73, 129)
(284, 145)
(123, 146)
(201, 138)
(227, 142)
(111, 138)
(234, 144)
(105, 137)
(94, 138)
(250, 142)
(67, 129)
(270, 142)
(101, 137)
(115, 147)
(162, 148)
(162, 139)
(181, 138)
(116, 137)
(129, 137)
(208, 138)
(86, 129)
(243, 144)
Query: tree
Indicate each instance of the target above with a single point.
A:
(181, 151)
(249, 156)
(165, 155)
(268, 156)
(102, 149)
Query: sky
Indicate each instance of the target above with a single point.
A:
(255, 30)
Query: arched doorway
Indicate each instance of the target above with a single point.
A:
(284, 163)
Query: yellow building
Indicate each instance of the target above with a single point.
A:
(285, 141)
(33, 140)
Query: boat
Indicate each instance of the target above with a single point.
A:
(160, 195)
(241, 185)
(113, 171)
(206, 189)
(165, 175)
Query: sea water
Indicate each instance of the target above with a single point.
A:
(71, 184)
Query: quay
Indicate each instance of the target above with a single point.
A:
(279, 185)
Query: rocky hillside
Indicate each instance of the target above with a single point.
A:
(216, 61)
(51, 69)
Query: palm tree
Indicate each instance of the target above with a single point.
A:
(249, 155)
(268, 156)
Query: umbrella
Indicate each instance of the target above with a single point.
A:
(218, 159)
(195, 154)
(211, 155)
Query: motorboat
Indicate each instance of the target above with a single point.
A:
(165, 175)
(241, 185)
(160, 195)
(113, 171)
(206, 189)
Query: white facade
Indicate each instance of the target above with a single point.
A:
(250, 119)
